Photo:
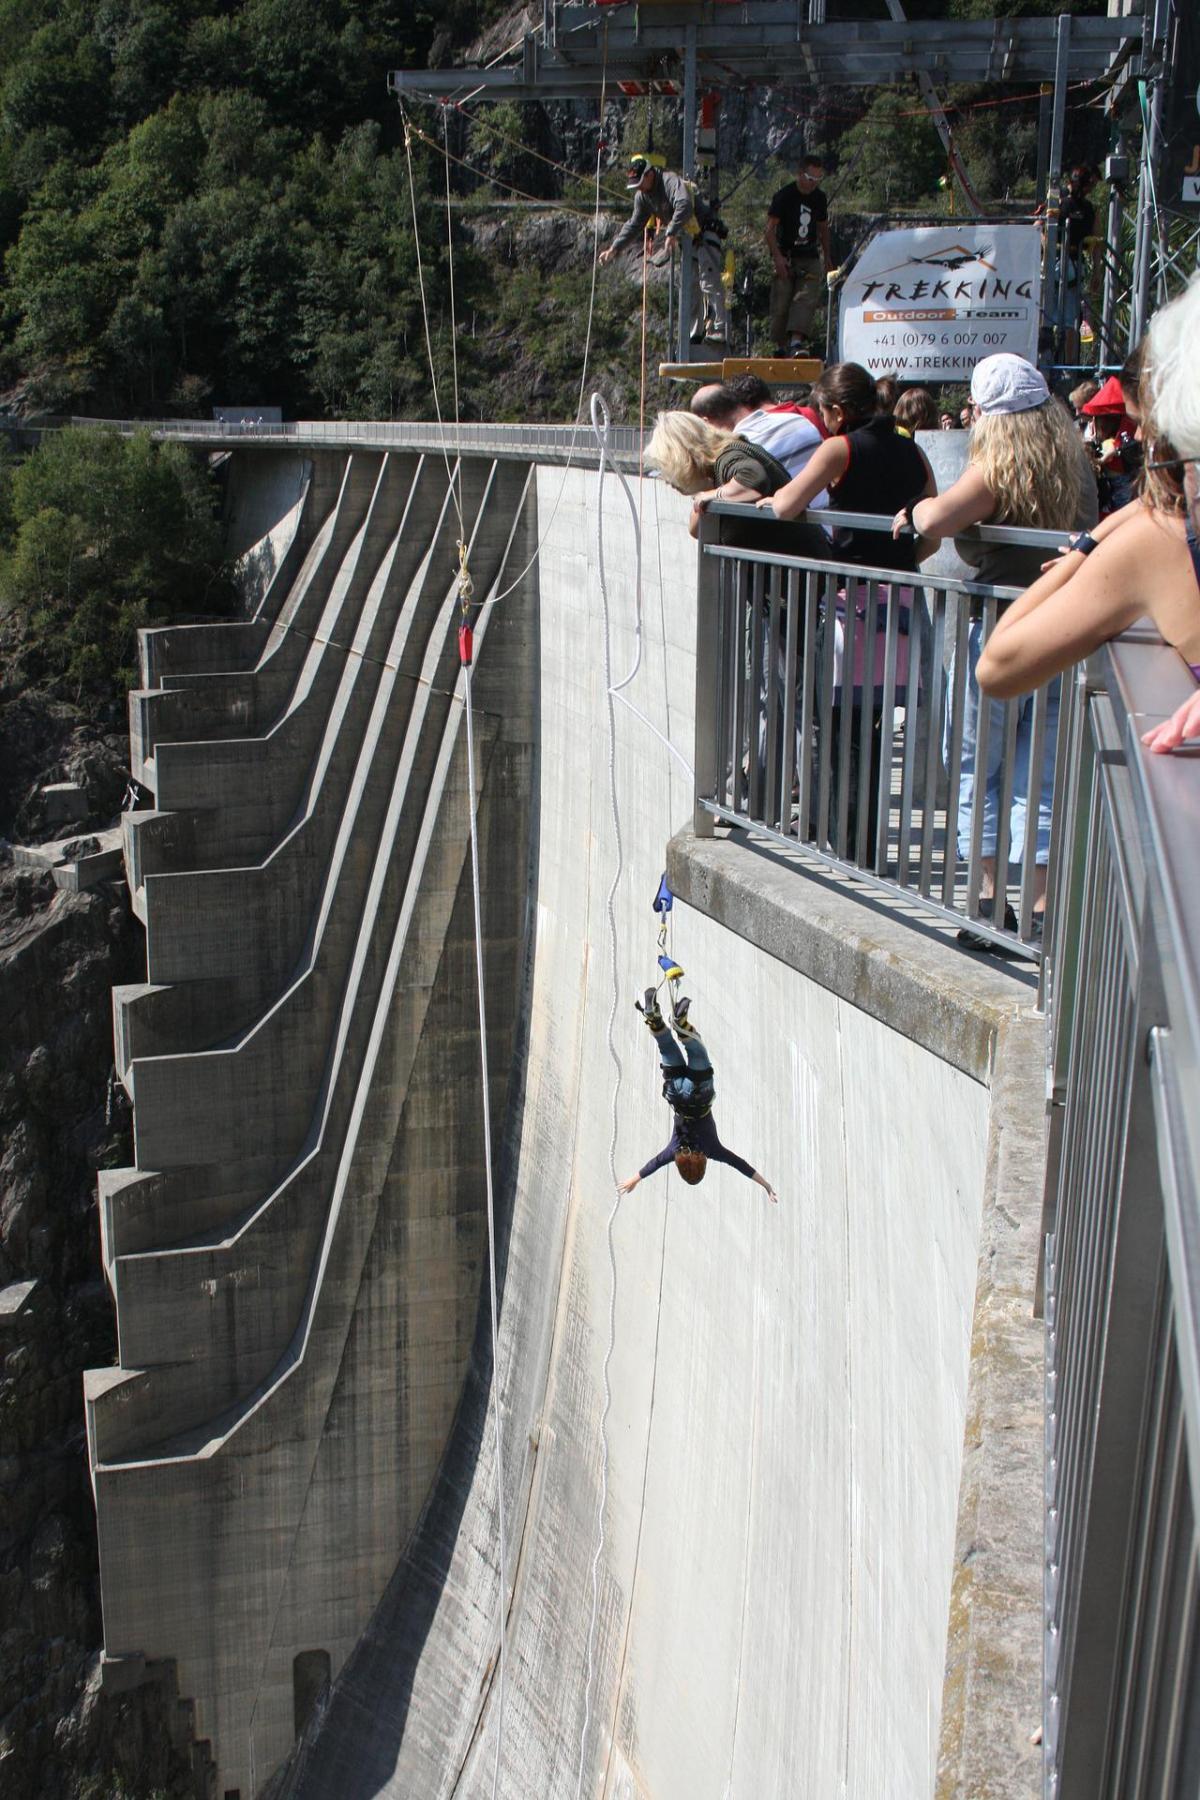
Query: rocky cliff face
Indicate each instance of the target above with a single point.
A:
(60, 1120)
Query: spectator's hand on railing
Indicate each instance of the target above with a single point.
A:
(902, 524)
(766, 504)
(1183, 723)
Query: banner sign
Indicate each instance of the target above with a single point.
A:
(1180, 168)
(927, 302)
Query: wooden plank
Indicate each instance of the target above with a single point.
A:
(783, 371)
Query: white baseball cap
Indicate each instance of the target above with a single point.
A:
(1007, 384)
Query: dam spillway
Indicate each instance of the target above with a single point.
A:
(293, 1463)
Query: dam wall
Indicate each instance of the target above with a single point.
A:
(762, 1409)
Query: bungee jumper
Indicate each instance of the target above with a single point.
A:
(688, 1084)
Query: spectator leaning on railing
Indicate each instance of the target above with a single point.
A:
(1026, 466)
(1144, 559)
(868, 467)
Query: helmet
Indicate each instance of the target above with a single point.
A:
(639, 167)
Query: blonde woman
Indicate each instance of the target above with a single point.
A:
(1026, 466)
(1143, 559)
(710, 464)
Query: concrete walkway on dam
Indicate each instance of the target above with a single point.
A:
(805, 1587)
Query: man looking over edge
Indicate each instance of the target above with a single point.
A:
(797, 236)
(743, 406)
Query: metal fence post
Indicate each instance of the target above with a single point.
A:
(709, 646)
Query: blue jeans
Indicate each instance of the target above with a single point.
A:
(992, 775)
(678, 1059)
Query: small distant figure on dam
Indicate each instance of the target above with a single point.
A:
(689, 1090)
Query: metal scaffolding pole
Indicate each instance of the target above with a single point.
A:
(1112, 266)
(1154, 55)
(1050, 270)
(687, 252)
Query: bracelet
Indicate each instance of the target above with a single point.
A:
(908, 513)
(1083, 541)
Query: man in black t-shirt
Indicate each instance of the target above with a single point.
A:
(1076, 214)
(797, 236)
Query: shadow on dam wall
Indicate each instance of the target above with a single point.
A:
(305, 1479)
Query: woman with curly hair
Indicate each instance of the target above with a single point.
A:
(1143, 559)
(1026, 466)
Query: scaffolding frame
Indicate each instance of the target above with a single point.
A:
(578, 48)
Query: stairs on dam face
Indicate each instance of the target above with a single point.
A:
(276, 1057)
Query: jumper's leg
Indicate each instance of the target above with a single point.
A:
(679, 1017)
(648, 1007)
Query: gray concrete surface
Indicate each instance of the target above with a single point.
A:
(795, 1548)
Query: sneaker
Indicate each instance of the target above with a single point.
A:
(1036, 938)
(680, 1020)
(971, 940)
(648, 1007)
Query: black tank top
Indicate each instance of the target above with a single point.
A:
(885, 472)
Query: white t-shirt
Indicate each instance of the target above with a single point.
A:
(791, 439)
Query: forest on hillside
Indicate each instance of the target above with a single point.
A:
(208, 202)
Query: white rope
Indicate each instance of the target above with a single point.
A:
(465, 589)
(613, 695)
(453, 332)
(491, 1226)
(437, 405)
(600, 423)
(587, 344)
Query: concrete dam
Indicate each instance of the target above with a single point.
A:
(770, 1474)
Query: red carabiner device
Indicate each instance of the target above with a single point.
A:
(466, 645)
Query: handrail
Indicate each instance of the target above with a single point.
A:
(1122, 1238)
(836, 711)
(859, 521)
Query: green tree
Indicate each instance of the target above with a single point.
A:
(108, 532)
(893, 155)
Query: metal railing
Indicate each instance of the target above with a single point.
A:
(541, 443)
(1121, 984)
(837, 711)
(1122, 1246)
